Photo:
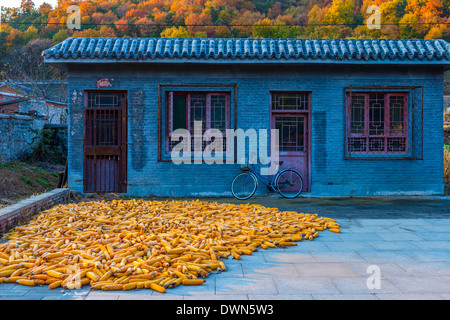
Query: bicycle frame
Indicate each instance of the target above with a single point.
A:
(269, 182)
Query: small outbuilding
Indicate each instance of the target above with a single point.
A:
(355, 116)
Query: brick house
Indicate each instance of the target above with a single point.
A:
(13, 101)
(355, 117)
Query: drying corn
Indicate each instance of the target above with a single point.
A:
(137, 244)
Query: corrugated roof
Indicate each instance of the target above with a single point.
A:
(82, 50)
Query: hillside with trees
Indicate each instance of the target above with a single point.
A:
(226, 18)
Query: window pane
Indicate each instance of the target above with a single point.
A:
(179, 112)
(357, 144)
(396, 144)
(357, 115)
(198, 110)
(104, 99)
(218, 112)
(376, 114)
(396, 114)
(290, 101)
(291, 131)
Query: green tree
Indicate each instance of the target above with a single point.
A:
(60, 36)
(408, 26)
(31, 34)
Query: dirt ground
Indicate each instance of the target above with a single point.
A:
(19, 181)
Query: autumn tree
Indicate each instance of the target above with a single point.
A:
(408, 26)
(175, 32)
(197, 22)
(243, 23)
(26, 5)
(60, 36)
(30, 34)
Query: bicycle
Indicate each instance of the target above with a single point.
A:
(287, 182)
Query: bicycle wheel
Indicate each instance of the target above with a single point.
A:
(244, 185)
(289, 183)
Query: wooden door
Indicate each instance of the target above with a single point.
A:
(293, 143)
(290, 114)
(105, 136)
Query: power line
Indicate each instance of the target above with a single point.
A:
(223, 25)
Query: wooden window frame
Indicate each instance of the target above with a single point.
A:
(188, 94)
(386, 121)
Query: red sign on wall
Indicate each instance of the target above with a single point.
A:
(104, 83)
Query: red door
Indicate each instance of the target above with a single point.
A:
(105, 142)
(290, 115)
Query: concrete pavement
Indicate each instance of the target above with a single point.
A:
(388, 249)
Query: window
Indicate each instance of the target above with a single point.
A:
(289, 116)
(186, 108)
(377, 123)
(287, 101)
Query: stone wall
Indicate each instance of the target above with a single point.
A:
(16, 135)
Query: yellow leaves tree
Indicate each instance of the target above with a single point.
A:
(434, 33)
(30, 34)
(175, 32)
(107, 32)
(340, 12)
(14, 37)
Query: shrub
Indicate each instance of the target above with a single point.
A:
(44, 149)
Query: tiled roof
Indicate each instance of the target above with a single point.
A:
(250, 50)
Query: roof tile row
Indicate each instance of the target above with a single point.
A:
(251, 49)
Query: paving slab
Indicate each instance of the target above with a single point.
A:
(426, 268)
(246, 285)
(304, 285)
(268, 270)
(387, 270)
(337, 256)
(327, 269)
(275, 256)
(359, 285)
(429, 255)
(422, 284)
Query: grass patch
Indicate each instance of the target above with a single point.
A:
(26, 180)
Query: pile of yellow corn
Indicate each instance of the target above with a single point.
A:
(135, 244)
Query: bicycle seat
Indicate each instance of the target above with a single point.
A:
(280, 163)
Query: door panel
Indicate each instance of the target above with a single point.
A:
(105, 142)
(293, 142)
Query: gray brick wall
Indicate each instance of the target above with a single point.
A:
(330, 173)
(16, 136)
(21, 212)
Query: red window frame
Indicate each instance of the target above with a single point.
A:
(381, 139)
(208, 113)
